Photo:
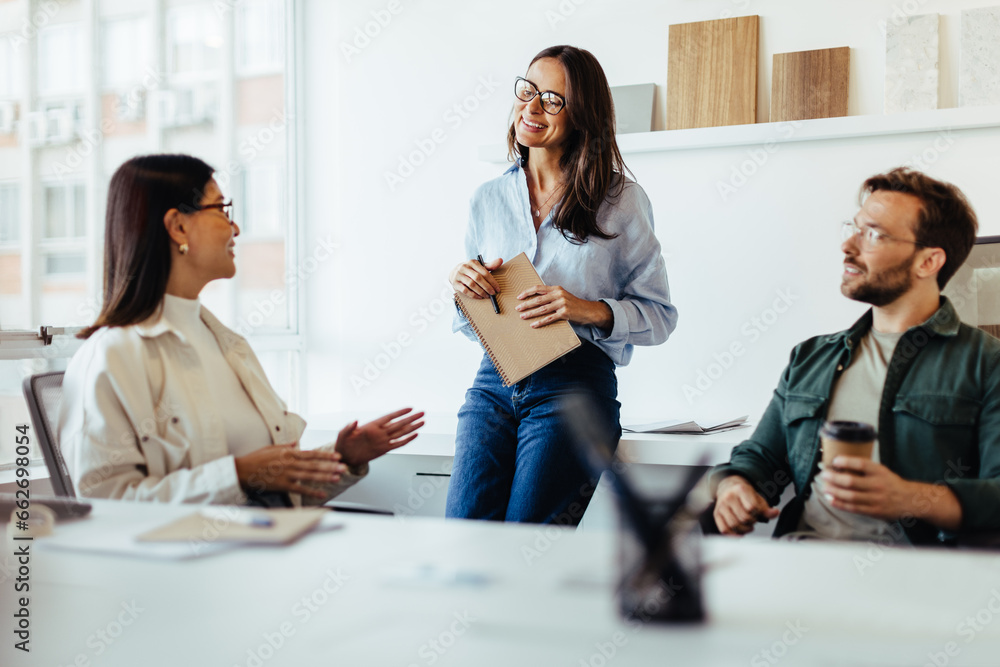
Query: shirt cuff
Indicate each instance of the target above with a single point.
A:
(224, 470)
(619, 324)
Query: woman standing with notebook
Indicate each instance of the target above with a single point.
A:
(588, 231)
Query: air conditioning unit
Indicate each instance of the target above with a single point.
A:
(163, 108)
(131, 107)
(61, 125)
(193, 105)
(34, 128)
(8, 116)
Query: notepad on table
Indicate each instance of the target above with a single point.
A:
(700, 427)
(515, 348)
(286, 525)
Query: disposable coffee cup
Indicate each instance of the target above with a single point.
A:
(843, 438)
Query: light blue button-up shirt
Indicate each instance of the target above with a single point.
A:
(627, 272)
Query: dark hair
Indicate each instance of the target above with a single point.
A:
(136, 244)
(591, 162)
(946, 218)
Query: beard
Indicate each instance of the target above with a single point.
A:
(882, 288)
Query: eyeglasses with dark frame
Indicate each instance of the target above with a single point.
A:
(552, 103)
(226, 207)
(870, 237)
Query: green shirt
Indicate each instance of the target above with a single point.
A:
(939, 419)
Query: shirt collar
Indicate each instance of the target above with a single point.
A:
(944, 322)
(159, 324)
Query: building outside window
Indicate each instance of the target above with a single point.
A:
(177, 76)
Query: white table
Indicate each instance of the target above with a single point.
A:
(556, 609)
(413, 480)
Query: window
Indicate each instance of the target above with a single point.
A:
(260, 42)
(60, 60)
(10, 69)
(125, 56)
(65, 217)
(194, 41)
(221, 90)
(263, 211)
(10, 213)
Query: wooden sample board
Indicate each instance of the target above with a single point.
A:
(712, 73)
(810, 84)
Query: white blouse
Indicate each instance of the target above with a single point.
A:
(142, 419)
(242, 426)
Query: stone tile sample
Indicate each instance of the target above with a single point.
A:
(979, 66)
(911, 63)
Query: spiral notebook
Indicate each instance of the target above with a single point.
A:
(515, 349)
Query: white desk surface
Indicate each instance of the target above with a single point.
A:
(437, 438)
(556, 610)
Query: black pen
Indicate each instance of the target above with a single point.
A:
(493, 299)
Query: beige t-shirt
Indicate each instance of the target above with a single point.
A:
(856, 397)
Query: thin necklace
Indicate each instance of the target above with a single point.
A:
(537, 210)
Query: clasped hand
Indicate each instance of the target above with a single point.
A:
(290, 469)
(544, 304)
(853, 484)
(863, 486)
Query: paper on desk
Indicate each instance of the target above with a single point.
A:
(287, 525)
(700, 427)
(119, 540)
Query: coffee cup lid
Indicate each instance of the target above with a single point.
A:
(848, 431)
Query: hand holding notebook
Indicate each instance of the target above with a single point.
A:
(516, 349)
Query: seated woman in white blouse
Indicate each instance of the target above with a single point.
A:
(163, 402)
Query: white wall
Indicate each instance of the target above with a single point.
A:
(727, 260)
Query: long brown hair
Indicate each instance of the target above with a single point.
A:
(591, 162)
(136, 244)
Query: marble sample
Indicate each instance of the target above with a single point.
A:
(911, 63)
(979, 67)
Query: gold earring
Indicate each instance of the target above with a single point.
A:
(184, 248)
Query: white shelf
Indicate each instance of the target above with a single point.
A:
(819, 129)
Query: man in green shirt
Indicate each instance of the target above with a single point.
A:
(930, 385)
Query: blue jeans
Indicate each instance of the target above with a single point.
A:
(514, 460)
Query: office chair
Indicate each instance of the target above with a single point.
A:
(43, 393)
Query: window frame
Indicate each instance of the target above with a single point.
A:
(32, 344)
